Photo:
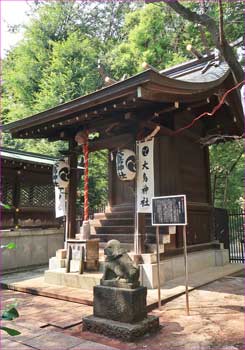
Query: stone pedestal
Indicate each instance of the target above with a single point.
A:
(119, 304)
(121, 330)
(85, 230)
(120, 313)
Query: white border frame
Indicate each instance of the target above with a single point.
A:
(185, 208)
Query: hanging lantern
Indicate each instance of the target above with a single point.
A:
(61, 173)
(126, 164)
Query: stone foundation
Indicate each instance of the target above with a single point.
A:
(170, 268)
(174, 267)
(121, 330)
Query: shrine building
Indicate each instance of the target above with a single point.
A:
(159, 105)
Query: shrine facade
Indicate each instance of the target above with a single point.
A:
(166, 104)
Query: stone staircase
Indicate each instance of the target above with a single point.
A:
(117, 222)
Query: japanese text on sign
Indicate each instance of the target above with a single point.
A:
(169, 210)
(145, 176)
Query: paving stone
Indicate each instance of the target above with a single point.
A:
(216, 321)
(89, 345)
(12, 345)
(53, 341)
(26, 333)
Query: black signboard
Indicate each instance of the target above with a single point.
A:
(169, 210)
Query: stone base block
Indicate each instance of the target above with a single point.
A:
(91, 265)
(55, 263)
(119, 304)
(221, 257)
(61, 253)
(74, 280)
(74, 265)
(116, 329)
(174, 267)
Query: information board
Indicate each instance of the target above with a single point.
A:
(169, 211)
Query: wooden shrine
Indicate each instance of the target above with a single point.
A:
(130, 110)
(27, 190)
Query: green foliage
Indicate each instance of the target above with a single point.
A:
(57, 61)
(10, 245)
(10, 314)
(151, 37)
(10, 331)
(227, 174)
(98, 180)
(5, 206)
(72, 71)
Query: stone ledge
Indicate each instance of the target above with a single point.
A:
(121, 330)
(32, 232)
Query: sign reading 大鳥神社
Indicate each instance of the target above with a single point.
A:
(145, 176)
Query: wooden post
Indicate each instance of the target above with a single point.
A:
(158, 268)
(141, 233)
(72, 191)
(186, 272)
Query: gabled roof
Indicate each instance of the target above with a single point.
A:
(185, 83)
(26, 157)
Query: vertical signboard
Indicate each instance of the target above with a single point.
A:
(145, 176)
(60, 209)
(170, 211)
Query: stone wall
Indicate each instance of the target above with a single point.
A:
(174, 267)
(34, 247)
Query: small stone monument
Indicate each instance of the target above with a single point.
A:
(120, 309)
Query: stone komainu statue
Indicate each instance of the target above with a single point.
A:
(120, 271)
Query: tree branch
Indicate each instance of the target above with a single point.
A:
(221, 24)
(210, 24)
(212, 139)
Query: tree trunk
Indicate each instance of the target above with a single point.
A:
(213, 28)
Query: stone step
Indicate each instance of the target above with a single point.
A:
(119, 229)
(74, 280)
(113, 222)
(114, 215)
(120, 208)
(120, 221)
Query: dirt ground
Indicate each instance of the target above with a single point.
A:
(216, 322)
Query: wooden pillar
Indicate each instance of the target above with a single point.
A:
(141, 230)
(72, 192)
(110, 180)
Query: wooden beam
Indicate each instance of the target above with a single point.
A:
(111, 142)
(164, 131)
(72, 192)
(151, 125)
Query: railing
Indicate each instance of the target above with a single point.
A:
(236, 236)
